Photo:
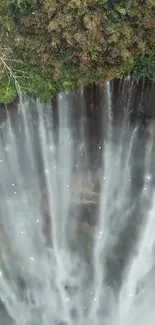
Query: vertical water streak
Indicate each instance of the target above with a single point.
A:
(50, 170)
(130, 85)
(83, 132)
(126, 170)
(134, 273)
(143, 261)
(64, 163)
(102, 230)
(108, 92)
(28, 124)
(55, 203)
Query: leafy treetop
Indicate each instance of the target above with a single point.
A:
(67, 43)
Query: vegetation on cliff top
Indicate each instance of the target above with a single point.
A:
(48, 45)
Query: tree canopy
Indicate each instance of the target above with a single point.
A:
(47, 45)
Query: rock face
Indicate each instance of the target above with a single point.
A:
(84, 202)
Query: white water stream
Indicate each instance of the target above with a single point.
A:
(76, 247)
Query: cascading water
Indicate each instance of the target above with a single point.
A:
(77, 241)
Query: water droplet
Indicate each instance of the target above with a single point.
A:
(13, 184)
(81, 154)
(37, 220)
(1, 273)
(100, 147)
(0, 161)
(67, 185)
(103, 177)
(31, 258)
(22, 232)
(46, 171)
(15, 192)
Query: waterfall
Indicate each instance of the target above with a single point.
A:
(78, 238)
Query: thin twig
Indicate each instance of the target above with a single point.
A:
(11, 75)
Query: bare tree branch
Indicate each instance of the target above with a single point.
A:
(11, 74)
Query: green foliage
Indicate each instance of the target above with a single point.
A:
(24, 5)
(144, 66)
(8, 92)
(40, 86)
(67, 44)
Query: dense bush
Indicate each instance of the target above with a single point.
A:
(69, 43)
(144, 66)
